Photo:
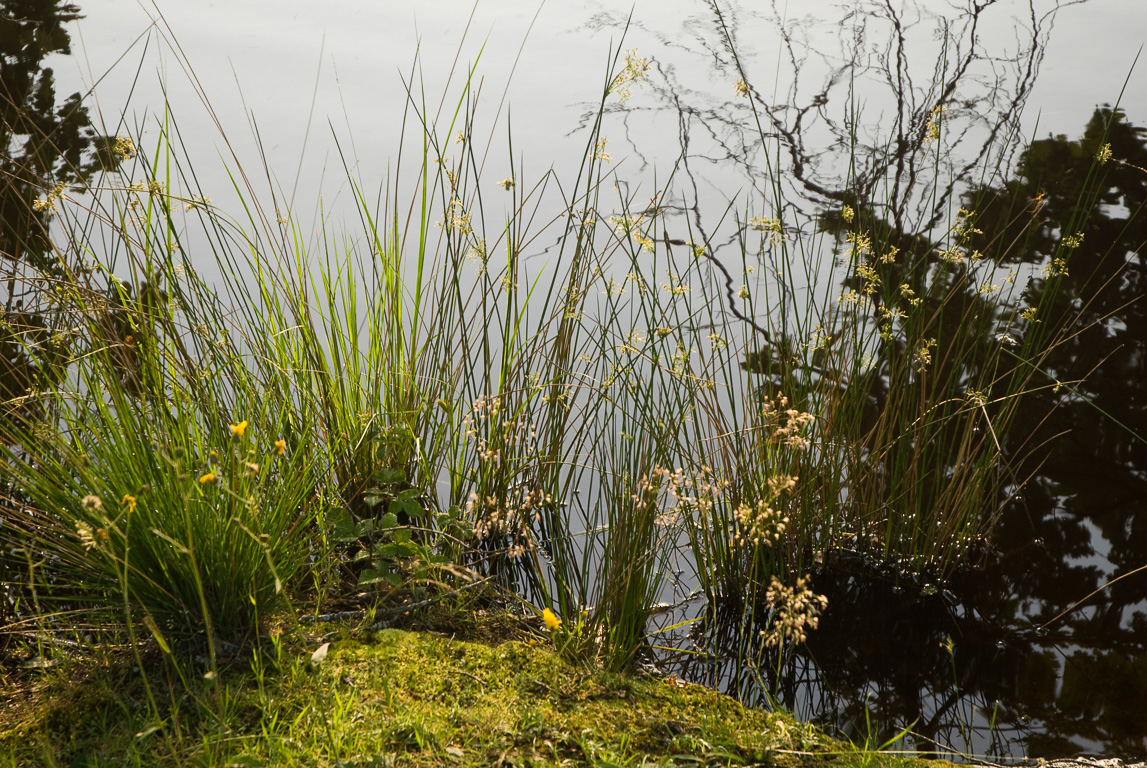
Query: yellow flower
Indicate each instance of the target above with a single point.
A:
(237, 430)
(551, 619)
(280, 447)
(128, 501)
(207, 479)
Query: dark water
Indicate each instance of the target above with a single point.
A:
(1049, 633)
(1039, 650)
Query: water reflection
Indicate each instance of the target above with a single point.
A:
(843, 98)
(47, 148)
(1031, 653)
(1079, 523)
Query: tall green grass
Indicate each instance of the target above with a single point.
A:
(417, 403)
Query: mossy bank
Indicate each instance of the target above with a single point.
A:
(395, 697)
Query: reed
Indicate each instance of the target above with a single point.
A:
(417, 403)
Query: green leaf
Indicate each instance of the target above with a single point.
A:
(389, 476)
(389, 520)
(407, 501)
(343, 526)
(397, 550)
(372, 576)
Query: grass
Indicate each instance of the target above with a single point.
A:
(388, 697)
(387, 418)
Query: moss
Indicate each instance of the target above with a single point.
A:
(418, 698)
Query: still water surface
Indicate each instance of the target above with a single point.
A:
(303, 70)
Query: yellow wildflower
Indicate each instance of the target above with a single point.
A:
(237, 430)
(128, 501)
(207, 479)
(280, 447)
(551, 619)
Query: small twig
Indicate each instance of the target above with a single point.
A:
(540, 684)
(475, 678)
(1093, 594)
(334, 617)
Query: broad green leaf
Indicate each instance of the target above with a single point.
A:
(373, 576)
(343, 527)
(389, 476)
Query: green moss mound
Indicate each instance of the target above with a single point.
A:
(389, 698)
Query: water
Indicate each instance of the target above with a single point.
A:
(293, 66)
(1015, 679)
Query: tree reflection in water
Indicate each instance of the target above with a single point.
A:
(1008, 658)
(47, 149)
(983, 663)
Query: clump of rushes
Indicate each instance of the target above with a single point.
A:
(154, 505)
(742, 515)
(577, 643)
(196, 545)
